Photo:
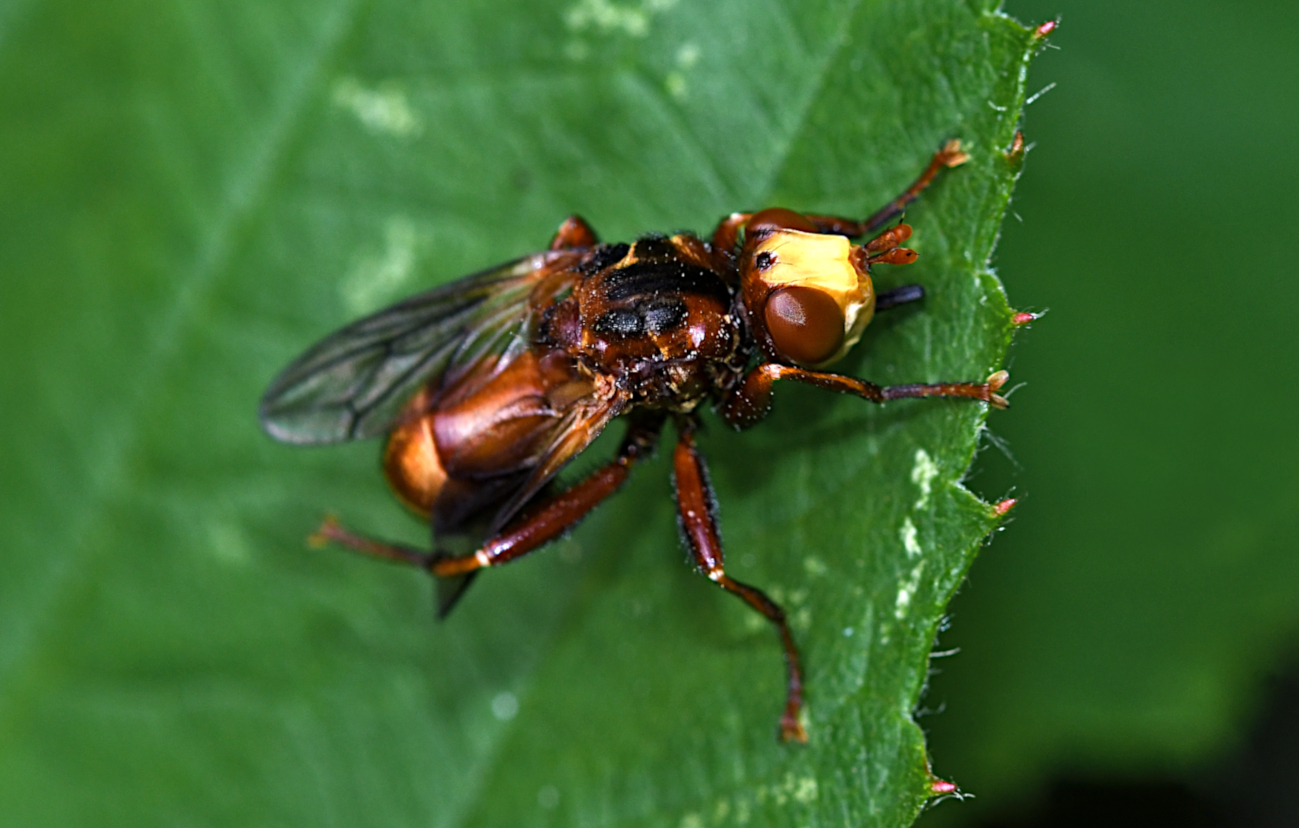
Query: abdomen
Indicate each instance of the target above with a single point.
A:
(462, 450)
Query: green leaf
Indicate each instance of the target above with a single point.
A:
(194, 192)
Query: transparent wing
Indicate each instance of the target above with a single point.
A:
(353, 383)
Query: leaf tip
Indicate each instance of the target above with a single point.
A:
(1046, 28)
(1000, 508)
(1015, 154)
(1022, 318)
(941, 787)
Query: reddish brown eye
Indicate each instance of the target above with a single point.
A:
(777, 218)
(805, 324)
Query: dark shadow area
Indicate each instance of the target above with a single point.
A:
(1251, 787)
(1073, 803)
(1256, 786)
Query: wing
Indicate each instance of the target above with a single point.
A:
(578, 428)
(353, 383)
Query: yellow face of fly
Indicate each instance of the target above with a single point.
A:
(827, 263)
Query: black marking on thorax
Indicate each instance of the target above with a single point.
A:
(646, 277)
(650, 286)
(620, 322)
(654, 316)
(604, 256)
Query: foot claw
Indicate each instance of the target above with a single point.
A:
(792, 730)
(328, 531)
(951, 153)
(995, 382)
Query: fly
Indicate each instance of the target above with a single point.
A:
(485, 388)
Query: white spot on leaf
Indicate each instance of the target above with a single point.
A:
(548, 797)
(382, 110)
(228, 542)
(675, 84)
(802, 619)
(742, 812)
(505, 706)
(805, 789)
(923, 473)
(721, 811)
(908, 591)
(910, 541)
(607, 17)
(798, 788)
(376, 279)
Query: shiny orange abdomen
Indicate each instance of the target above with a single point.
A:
(488, 427)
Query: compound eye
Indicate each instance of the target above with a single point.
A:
(805, 324)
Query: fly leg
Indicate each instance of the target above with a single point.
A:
(898, 296)
(726, 236)
(536, 526)
(726, 239)
(949, 156)
(699, 526)
(750, 401)
(574, 232)
(553, 516)
(331, 531)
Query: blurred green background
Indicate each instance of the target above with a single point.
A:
(1124, 625)
(1121, 628)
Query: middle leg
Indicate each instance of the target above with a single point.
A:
(699, 525)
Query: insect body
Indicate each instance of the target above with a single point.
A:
(488, 386)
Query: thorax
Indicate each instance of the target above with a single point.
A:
(655, 316)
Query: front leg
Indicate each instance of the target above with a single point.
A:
(750, 401)
(726, 236)
(726, 240)
(699, 526)
(951, 155)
